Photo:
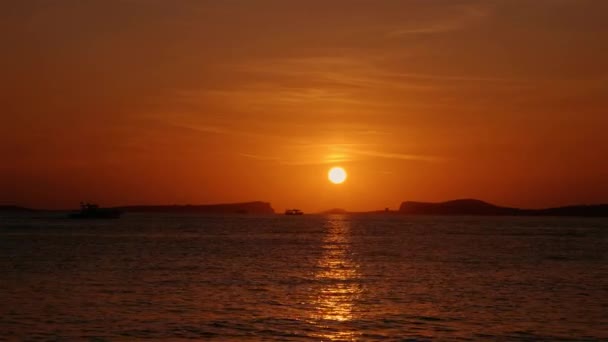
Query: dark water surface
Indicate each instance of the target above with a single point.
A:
(304, 278)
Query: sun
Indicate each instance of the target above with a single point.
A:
(337, 175)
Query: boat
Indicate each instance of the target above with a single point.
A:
(293, 212)
(93, 211)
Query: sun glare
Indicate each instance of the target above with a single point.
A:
(337, 175)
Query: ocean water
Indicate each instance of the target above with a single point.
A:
(309, 278)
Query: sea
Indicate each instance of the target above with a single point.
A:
(179, 277)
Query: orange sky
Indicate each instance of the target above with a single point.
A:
(141, 102)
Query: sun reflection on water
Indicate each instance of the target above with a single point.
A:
(338, 274)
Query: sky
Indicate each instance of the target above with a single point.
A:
(172, 102)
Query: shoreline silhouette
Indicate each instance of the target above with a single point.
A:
(459, 207)
(255, 207)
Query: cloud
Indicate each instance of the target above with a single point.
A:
(392, 155)
(299, 161)
(306, 150)
(225, 129)
(341, 80)
(259, 157)
(454, 18)
(329, 74)
(322, 154)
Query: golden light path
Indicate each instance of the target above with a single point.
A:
(335, 301)
(337, 175)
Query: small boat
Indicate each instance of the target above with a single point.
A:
(293, 212)
(93, 211)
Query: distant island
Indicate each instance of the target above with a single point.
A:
(477, 207)
(14, 208)
(468, 207)
(259, 208)
(256, 208)
(474, 207)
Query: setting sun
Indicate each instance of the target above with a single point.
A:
(337, 175)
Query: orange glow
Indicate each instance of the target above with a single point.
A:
(202, 102)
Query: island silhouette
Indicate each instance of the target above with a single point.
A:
(257, 207)
(478, 207)
(475, 207)
(462, 207)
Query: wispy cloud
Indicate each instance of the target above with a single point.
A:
(259, 157)
(344, 153)
(344, 80)
(226, 131)
(393, 155)
(456, 78)
(335, 73)
(454, 18)
(306, 149)
(299, 160)
(371, 150)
